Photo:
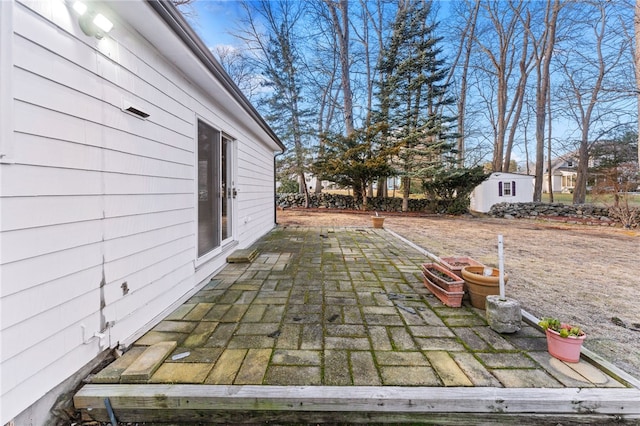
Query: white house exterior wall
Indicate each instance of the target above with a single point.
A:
(92, 197)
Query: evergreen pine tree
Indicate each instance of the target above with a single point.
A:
(412, 97)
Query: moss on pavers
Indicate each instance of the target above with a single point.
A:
(274, 313)
(254, 313)
(220, 336)
(401, 339)
(345, 330)
(474, 370)
(225, 370)
(470, 339)
(296, 357)
(249, 341)
(522, 378)
(336, 368)
(495, 340)
(363, 369)
(447, 369)
(253, 367)
(217, 312)
(175, 326)
(396, 358)
(285, 375)
(234, 313)
(506, 360)
(311, 336)
(439, 344)
(181, 311)
(354, 343)
(289, 337)
(181, 373)
(198, 312)
(311, 317)
(200, 334)
(380, 340)
(197, 355)
(431, 331)
(409, 376)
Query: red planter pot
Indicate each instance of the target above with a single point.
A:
(449, 298)
(442, 277)
(564, 348)
(455, 264)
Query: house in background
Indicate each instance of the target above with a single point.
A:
(130, 168)
(563, 174)
(502, 188)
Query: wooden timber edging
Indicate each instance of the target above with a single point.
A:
(255, 403)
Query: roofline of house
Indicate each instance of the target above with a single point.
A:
(183, 30)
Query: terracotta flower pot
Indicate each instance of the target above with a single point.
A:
(378, 221)
(480, 286)
(442, 277)
(449, 298)
(564, 348)
(455, 264)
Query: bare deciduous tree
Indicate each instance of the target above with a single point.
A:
(544, 51)
(589, 80)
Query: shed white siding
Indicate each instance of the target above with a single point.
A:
(494, 190)
(92, 197)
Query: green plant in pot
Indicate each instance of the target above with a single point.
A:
(564, 341)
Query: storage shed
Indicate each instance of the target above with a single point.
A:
(130, 168)
(502, 188)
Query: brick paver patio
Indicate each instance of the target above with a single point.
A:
(338, 307)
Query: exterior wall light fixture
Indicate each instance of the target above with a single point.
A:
(91, 22)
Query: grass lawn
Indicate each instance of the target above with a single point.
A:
(634, 200)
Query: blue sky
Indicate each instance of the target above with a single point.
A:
(214, 19)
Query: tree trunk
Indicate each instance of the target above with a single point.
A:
(462, 99)
(580, 190)
(543, 65)
(636, 30)
(406, 189)
(342, 29)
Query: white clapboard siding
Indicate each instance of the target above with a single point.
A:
(164, 291)
(59, 126)
(116, 205)
(46, 296)
(33, 242)
(30, 212)
(30, 332)
(35, 271)
(140, 275)
(95, 197)
(38, 150)
(40, 181)
(127, 268)
(61, 357)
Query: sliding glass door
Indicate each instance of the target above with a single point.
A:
(216, 189)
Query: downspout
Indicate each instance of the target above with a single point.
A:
(275, 189)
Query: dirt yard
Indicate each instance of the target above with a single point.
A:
(581, 274)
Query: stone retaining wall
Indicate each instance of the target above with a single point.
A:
(583, 213)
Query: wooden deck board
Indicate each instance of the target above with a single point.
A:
(184, 403)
